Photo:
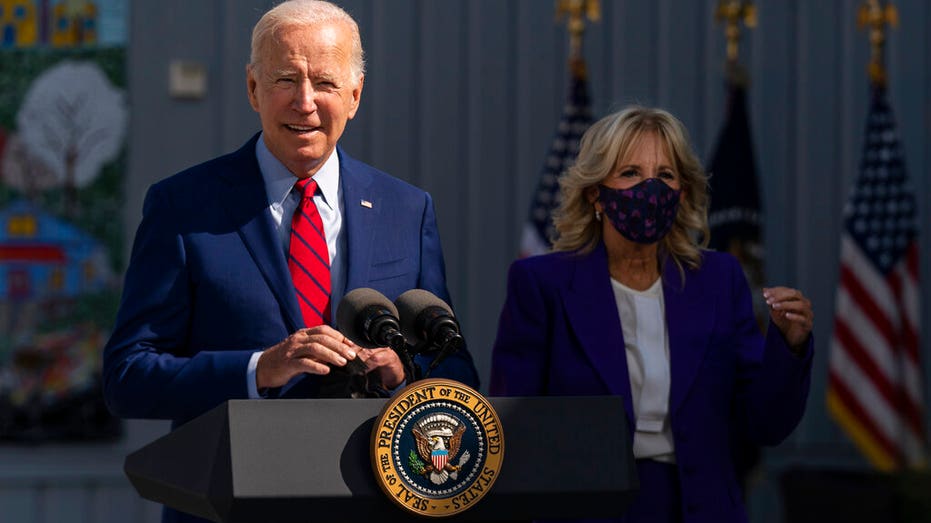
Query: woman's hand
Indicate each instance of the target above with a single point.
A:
(792, 314)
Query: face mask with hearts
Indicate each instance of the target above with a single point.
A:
(643, 213)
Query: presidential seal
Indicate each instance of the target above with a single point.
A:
(437, 447)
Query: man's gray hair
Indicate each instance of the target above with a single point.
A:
(305, 13)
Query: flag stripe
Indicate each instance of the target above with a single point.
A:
(863, 405)
(869, 341)
(884, 423)
(862, 299)
(891, 392)
(854, 260)
(866, 387)
(905, 288)
(853, 424)
(914, 383)
(911, 262)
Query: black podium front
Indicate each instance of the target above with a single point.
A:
(303, 460)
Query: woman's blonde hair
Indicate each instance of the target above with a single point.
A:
(611, 140)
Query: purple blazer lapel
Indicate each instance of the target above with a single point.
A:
(593, 317)
(247, 206)
(690, 316)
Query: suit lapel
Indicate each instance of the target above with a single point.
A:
(362, 207)
(247, 206)
(689, 320)
(594, 319)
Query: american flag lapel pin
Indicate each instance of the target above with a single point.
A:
(365, 203)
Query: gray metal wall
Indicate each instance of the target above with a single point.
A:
(462, 97)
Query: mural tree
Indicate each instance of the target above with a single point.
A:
(73, 120)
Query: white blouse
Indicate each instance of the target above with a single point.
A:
(643, 322)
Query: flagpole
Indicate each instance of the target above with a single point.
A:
(876, 16)
(576, 12)
(732, 13)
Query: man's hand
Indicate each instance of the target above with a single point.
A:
(309, 351)
(385, 364)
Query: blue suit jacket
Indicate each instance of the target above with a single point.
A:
(208, 283)
(560, 334)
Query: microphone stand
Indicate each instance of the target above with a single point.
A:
(447, 346)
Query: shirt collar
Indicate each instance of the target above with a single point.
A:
(279, 180)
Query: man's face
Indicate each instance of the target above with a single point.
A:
(304, 92)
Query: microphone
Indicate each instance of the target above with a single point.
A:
(370, 320)
(429, 321)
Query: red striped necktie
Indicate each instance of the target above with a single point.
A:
(308, 258)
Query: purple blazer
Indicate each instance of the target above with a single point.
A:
(560, 334)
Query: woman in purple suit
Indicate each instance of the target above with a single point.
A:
(632, 304)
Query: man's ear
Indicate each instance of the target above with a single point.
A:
(251, 85)
(356, 98)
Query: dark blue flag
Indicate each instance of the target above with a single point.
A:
(735, 214)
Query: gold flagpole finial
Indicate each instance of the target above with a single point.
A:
(874, 15)
(732, 12)
(576, 11)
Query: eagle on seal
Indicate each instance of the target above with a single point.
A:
(438, 438)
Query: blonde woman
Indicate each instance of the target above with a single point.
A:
(632, 304)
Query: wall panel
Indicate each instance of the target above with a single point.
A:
(65, 503)
(19, 502)
(443, 116)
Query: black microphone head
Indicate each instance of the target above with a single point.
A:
(357, 308)
(411, 306)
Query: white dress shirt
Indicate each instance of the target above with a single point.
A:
(646, 343)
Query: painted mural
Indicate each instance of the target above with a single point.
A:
(63, 124)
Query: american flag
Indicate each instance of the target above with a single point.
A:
(576, 118)
(875, 385)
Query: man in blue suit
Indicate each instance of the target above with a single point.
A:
(209, 311)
